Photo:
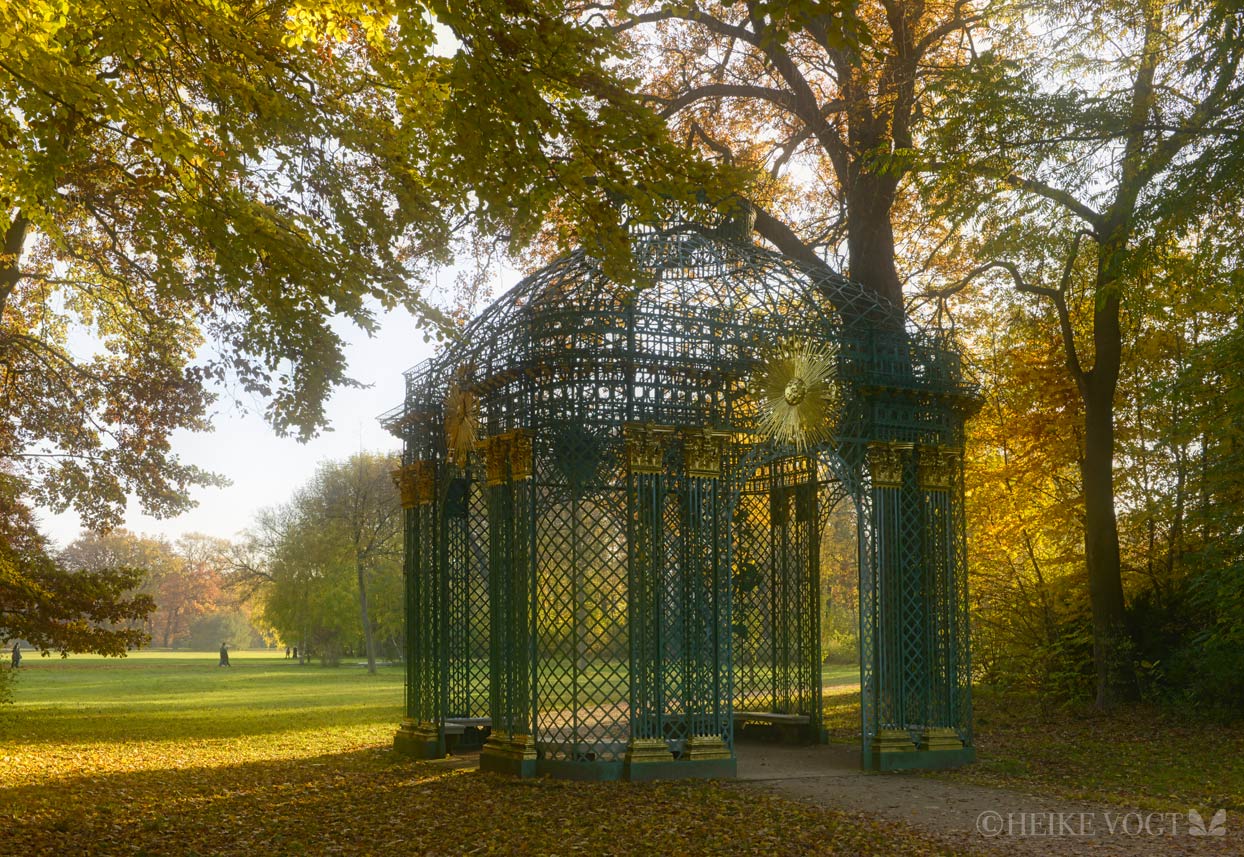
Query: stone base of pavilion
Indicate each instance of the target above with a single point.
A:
(645, 760)
(419, 740)
(935, 748)
(640, 761)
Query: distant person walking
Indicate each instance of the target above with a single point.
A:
(224, 655)
(287, 653)
(17, 656)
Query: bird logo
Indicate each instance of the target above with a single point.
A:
(1217, 825)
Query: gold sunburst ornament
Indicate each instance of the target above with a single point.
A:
(797, 390)
(461, 422)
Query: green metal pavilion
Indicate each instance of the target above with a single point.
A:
(614, 499)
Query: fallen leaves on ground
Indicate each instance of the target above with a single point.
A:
(271, 759)
(1139, 756)
(371, 801)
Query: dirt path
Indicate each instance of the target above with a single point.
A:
(976, 817)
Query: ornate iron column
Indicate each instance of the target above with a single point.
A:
(706, 623)
(794, 591)
(421, 734)
(511, 748)
(915, 688)
(947, 720)
(646, 447)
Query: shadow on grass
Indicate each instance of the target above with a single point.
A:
(373, 802)
(288, 806)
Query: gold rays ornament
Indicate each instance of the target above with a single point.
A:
(797, 390)
(461, 421)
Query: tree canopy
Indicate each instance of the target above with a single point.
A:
(192, 193)
(54, 609)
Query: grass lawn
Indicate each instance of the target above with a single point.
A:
(837, 675)
(170, 754)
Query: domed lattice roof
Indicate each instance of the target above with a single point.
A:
(569, 345)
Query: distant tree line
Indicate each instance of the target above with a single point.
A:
(321, 573)
(188, 581)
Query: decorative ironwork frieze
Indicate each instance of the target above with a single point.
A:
(645, 446)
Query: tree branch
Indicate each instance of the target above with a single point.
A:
(1058, 296)
(779, 97)
(787, 242)
(1059, 196)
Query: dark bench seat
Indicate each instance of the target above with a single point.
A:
(459, 725)
(772, 726)
(466, 733)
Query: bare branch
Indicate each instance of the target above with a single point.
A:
(779, 97)
(1060, 196)
(1058, 296)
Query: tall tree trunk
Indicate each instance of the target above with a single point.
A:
(367, 635)
(1112, 651)
(870, 236)
(11, 257)
(169, 628)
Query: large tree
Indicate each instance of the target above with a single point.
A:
(818, 106)
(55, 609)
(356, 509)
(336, 542)
(191, 192)
(1095, 136)
(175, 173)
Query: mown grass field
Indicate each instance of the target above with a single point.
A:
(170, 754)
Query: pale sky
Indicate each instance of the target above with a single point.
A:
(266, 469)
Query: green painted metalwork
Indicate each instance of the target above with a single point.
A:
(607, 517)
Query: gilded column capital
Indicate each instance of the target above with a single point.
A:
(425, 482)
(404, 482)
(496, 459)
(520, 455)
(885, 462)
(935, 469)
(645, 446)
(702, 451)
